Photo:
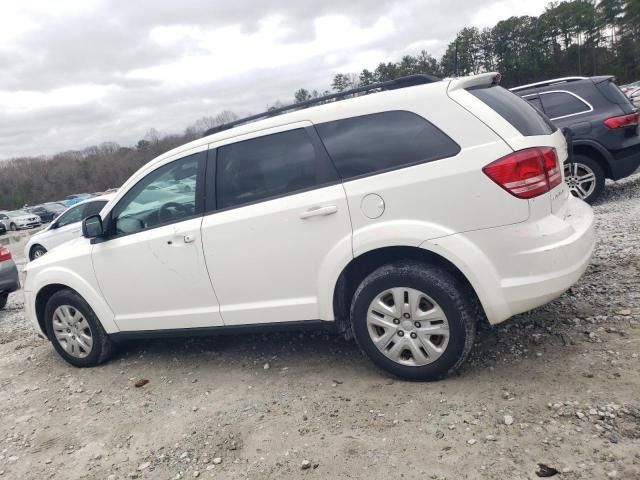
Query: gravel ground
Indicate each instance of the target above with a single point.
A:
(559, 386)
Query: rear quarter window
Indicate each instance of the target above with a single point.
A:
(562, 104)
(384, 141)
(518, 112)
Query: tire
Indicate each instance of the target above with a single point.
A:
(102, 346)
(3, 300)
(36, 251)
(13, 227)
(445, 291)
(578, 169)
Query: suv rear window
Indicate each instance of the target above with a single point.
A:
(518, 112)
(383, 141)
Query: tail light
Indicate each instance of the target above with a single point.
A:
(622, 121)
(4, 254)
(526, 173)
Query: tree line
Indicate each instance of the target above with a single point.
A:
(577, 37)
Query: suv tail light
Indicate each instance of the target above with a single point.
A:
(622, 121)
(4, 254)
(526, 173)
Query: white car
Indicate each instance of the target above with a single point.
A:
(65, 227)
(19, 220)
(402, 217)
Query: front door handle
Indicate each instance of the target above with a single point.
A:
(319, 211)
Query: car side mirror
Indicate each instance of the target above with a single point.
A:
(92, 227)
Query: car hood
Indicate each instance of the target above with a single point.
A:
(24, 218)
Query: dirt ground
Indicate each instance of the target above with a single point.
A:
(558, 386)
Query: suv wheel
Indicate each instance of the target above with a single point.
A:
(75, 331)
(414, 320)
(3, 300)
(585, 178)
(36, 252)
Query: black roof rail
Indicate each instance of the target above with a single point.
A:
(402, 82)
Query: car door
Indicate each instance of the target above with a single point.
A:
(150, 267)
(280, 214)
(66, 228)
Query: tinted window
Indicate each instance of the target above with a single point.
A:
(383, 141)
(535, 101)
(93, 208)
(518, 112)
(73, 215)
(166, 195)
(559, 104)
(267, 167)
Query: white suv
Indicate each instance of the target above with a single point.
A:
(402, 218)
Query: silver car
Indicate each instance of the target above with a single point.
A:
(19, 219)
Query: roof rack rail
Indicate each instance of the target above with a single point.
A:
(547, 83)
(402, 82)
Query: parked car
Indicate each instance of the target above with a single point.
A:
(19, 220)
(8, 276)
(47, 211)
(402, 217)
(602, 122)
(634, 96)
(64, 228)
(630, 86)
(73, 199)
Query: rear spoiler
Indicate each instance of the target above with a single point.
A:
(488, 79)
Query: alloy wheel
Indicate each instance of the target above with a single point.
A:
(408, 326)
(580, 179)
(72, 331)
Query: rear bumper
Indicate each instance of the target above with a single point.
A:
(9, 281)
(625, 162)
(519, 267)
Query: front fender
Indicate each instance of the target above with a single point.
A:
(57, 275)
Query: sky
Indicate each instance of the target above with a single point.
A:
(76, 73)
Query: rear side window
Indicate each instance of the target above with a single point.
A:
(268, 167)
(562, 104)
(518, 112)
(383, 141)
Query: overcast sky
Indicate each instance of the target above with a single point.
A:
(75, 73)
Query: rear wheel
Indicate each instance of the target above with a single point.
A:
(585, 178)
(75, 331)
(36, 252)
(414, 320)
(3, 300)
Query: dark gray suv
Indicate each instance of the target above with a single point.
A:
(601, 122)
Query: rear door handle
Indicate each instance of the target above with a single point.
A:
(319, 211)
(189, 239)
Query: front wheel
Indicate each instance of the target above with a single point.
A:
(36, 252)
(13, 227)
(585, 178)
(75, 331)
(414, 320)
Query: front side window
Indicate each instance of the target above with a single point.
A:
(268, 167)
(562, 104)
(73, 215)
(383, 141)
(166, 195)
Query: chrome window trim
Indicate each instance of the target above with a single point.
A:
(589, 106)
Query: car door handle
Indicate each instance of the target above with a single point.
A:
(189, 238)
(319, 211)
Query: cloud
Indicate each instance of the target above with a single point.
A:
(87, 71)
